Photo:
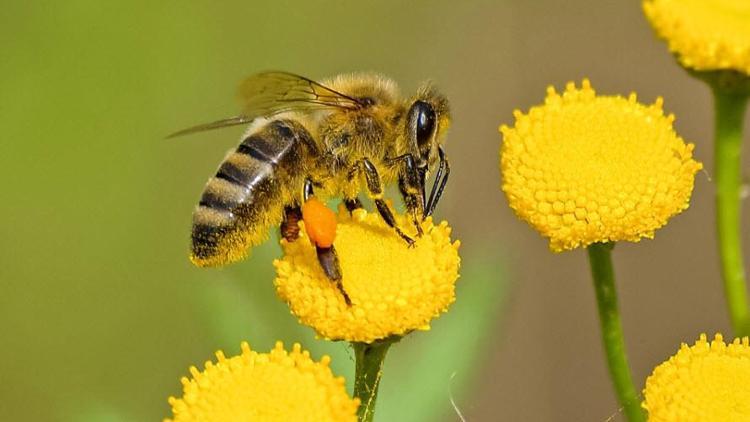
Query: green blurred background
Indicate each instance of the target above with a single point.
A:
(101, 311)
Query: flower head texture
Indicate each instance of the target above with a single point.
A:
(275, 386)
(704, 35)
(583, 168)
(703, 382)
(393, 288)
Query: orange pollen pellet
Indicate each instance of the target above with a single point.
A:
(320, 223)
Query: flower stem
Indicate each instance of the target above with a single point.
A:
(730, 109)
(368, 371)
(600, 259)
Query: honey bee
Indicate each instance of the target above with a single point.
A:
(335, 138)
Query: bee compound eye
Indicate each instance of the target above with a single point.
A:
(425, 124)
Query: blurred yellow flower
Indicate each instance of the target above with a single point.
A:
(705, 35)
(705, 382)
(275, 386)
(393, 288)
(583, 168)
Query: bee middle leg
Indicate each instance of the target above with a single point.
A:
(375, 188)
(327, 257)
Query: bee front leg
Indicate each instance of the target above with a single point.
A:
(375, 188)
(327, 257)
(411, 185)
(414, 208)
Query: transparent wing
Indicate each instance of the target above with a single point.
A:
(232, 121)
(269, 93)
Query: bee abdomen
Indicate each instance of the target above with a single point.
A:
(223, 194)
(244, 198)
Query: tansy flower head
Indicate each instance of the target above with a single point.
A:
(393, 288)
(583, 168)
(705, 35)
(705, 382)
(275, 386)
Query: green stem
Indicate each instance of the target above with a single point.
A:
(368, 371)
(600, 259)
(730, 109)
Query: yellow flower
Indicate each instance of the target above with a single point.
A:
(705, 382)
(275, 386)
(705, 35)
(393, 288)
(583, 168)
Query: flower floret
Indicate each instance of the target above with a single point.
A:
(705, 35)
(275, 386)
(709, 381)
(393, 288)
(583, 168)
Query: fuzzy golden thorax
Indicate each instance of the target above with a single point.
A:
(370, 132)
(383, 130)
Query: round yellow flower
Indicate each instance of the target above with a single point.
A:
(583, 168)
(275, 386)
(705, 382)
(705, 35)
(393, 288)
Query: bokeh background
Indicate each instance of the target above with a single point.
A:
(100, 310)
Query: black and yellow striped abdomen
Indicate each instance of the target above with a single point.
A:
(246, 197)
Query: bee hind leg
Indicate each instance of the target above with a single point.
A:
(329, 261)
(327, 257)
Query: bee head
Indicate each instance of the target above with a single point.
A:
(427, 121)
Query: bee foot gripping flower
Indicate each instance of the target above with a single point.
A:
(276, 386)
(709, 381)
(393, 288)
(583, 168)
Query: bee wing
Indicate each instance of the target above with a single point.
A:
(232, 121)
(269, 93)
